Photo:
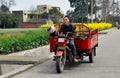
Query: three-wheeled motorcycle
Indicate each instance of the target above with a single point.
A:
(86, 41)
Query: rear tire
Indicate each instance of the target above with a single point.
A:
(91, 56)
(70, 57)
(81, 56)
(94, 51)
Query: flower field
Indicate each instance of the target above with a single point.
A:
(100, 26)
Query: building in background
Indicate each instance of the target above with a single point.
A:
(45, 8)
(32, 19)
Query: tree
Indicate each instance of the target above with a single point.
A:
(4, 8)
(55, 10)
(55, 15)
(71, 15)
(12, 21)
(109, 9)
(8, 3)
(82, 9)
(8, 21)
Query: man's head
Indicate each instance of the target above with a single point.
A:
(66, 20)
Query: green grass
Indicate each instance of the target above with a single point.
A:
(14, 30)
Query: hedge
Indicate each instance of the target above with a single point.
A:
(18, 41)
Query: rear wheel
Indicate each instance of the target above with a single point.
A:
(70, 57)
(91, 56)
(82, 57)
(94, 51)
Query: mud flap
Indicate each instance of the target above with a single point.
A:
(59, 53)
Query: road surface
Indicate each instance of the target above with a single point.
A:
(106, 63)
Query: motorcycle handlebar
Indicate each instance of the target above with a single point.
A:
(67, 35)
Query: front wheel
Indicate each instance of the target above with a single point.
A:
(60, 62)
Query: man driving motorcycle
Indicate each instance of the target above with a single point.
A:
(65, 28)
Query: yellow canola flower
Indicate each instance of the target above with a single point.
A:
(100, 26)
(46, 25)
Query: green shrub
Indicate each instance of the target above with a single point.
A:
(28, 40)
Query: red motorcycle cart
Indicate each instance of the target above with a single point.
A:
(86, 41)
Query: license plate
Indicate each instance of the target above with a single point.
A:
(61, 39)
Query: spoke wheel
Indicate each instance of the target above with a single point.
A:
(60, 62)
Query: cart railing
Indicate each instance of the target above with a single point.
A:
(84, 39)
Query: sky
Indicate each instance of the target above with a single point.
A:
(27, 4)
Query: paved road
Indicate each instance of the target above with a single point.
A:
(106, 63)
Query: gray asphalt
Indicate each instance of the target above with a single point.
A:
(106, 63)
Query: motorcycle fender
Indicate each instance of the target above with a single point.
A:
(59, 53)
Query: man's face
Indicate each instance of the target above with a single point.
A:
(66, 20)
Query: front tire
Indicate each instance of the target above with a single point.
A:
(60, 62)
